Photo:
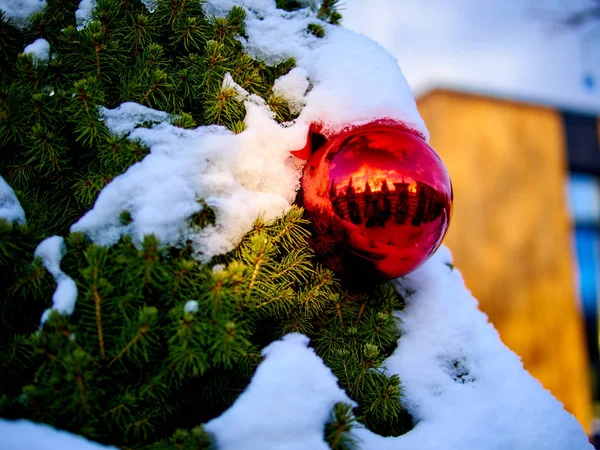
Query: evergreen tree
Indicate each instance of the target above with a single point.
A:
(159, 343)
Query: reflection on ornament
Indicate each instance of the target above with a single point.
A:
(380, 200)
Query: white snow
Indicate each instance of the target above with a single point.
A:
(150, 5)
(10, 208)
(83, 15)
(26, 435)
(162, 191)
(21, 10)
(293, 87)
(229, 83)
(191, 306)
(286, 405)
(463, 387)
(51, 252)
(127, 116)
(39, 49)
(351, 80)
(218, 268)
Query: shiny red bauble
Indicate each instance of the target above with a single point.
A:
(380, 200)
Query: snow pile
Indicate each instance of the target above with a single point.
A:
(21, 10)
(26, 435)
(286, 405)
(10, 208)
(463, 387)
(51, 251)
(352, 78)
(342, 79)
(240, 176)
(39, 49)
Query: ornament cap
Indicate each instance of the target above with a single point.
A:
(316, 138)
(313, 141)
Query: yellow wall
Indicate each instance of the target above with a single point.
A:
(510, 232)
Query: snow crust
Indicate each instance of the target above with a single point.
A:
(39, 49)
(51, 252)
(26, 435)
(10, 208)
(21, 10)
(286, 405)
(342, 79)
(463, 387)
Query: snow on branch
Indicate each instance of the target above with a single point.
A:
(26, 435)
(463, 387)
(252, 173)
(39, 50)
(286, 405)
(51, 252)
(10, 208)
(21, 10)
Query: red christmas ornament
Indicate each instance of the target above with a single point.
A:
(380, 199)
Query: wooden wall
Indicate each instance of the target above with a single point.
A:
(510, 233)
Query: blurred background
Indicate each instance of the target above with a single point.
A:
(510, 92)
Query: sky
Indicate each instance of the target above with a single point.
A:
(510, 48)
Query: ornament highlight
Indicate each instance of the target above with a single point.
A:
(380, 199)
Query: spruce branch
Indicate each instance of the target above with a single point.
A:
(338, 431)
(141, 332)
(360, 313)
(259, 249)
(96, 257)
(97, 305)
(338, 310)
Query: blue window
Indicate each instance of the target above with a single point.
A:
(584, 201)
(586, 247)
